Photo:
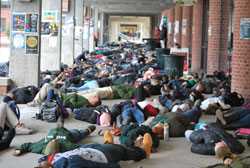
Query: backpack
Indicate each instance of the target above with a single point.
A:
(242, 133)
(234, 99)
(50, 111)
(104, 117)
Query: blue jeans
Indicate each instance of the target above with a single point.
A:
(116, 152)
(52, 96)
(78, 134)
(193, 115)
(129, 111)
(244, 116)
(89, 85)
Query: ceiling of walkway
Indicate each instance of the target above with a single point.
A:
(131, 6)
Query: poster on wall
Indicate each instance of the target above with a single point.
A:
(54, 29)
(45, 28)
(63, 20)
(169, 27)
(31, 23)
(18, 41)
(245, 28)
(18, 24)
(182, 51)
(32, 45)
(49, 16)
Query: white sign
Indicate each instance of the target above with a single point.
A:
(18, 41)
(176, 28)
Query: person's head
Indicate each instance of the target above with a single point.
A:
(158, 130)
(157, 28)
(52, 147)
(199, 88)
(211, 109)
(221, 150)
(177, 45)
(94, 101)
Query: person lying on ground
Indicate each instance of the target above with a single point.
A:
(98, 155)
(67, 100)
(238, 119)
(214, 140)
(66, 138)
(10, 119)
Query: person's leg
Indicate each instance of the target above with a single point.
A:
(89, 85)
(50, 95)
(245, 121)
(138, 115)
(42, 94)
(139, 94)
(116, 152)
(7, 116)
(127, 116)
(81, 134)
(5, 143)
(193, 115)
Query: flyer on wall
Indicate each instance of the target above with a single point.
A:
(18, 41)
(32, 45)
(50, 16)
(18, 22)
(31, 22)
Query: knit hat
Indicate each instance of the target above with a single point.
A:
(52, 147)
(192, 82)
(105, 120)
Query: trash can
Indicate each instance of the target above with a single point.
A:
(159, 56)
(173, 64)
(150, 45)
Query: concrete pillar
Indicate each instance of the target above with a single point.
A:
(91, 29)
(214, 29)
(178, 24)
(51, 43)
(25, 59)
(86, 21)
(68, 32)
(241, 50)
(171, 13)
(186, 39)
(96, 28)
(225, 19)
(101, 29)
(78, 27)
(197, 36)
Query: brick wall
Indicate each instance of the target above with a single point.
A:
(213, 53)
(5, 13)
(178, 17)
(197, 36)
(171, 16)
(3, 90)
(241, 52)
(225, 13)
(186, 39)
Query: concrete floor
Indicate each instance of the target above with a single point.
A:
(179, 156)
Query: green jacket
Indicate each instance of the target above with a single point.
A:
(123, 91)
(239, 163)
(132, 131)
(76, 100)
(61, 134)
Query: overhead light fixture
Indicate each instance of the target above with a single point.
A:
(185, 2)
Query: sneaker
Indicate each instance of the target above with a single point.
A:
(220, 116)
(108, 138)
(91, 128)
(33, 103)
(197, 104)
(23, 130)
(147, 144)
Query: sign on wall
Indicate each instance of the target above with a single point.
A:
(31, 23)
(49, 16)
(32, 45)
(18, 41)
(245, 28)
(18, 23)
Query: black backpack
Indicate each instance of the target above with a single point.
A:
(234, 99)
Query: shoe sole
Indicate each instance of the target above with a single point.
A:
(220, 117)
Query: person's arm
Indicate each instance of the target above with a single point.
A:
(22, 149)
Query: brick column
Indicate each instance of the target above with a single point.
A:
(171, 13)
(241, 52)
(225, 13)
(213, 54)
(178, 18)
(186, 39)
(197, 36)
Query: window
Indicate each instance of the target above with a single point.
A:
(3, 25)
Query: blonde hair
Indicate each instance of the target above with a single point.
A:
(158, 131)
(222, 151)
